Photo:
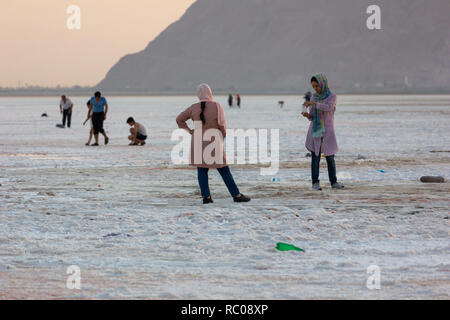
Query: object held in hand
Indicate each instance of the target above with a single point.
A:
(307, 96)
(304, 109)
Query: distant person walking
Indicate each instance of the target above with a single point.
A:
(208, 115)
(230, 100)
(238, 99)
(321, 137)
(138, 132)
(100, 110)
(66, 107)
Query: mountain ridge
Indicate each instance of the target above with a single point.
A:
(276, 45)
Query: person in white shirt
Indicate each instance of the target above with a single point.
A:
(138, 133)
(65, 107)
(89, 116)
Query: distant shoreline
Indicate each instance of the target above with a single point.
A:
(89, 92)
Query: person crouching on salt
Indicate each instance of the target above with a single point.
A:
(207, 150)
(321, 137)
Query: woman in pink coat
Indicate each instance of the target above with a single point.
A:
(207, 142)
(321, 137)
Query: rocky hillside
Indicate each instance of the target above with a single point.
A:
(276, 45)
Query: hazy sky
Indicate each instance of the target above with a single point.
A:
(37, 48)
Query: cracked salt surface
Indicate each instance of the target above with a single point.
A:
(59, 201)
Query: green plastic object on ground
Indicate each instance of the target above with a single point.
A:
(287, 247)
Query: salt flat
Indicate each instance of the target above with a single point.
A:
(134, 224)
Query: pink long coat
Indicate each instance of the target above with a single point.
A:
(329, 145)
(214, 119)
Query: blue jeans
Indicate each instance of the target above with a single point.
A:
(315, 166)
(227, 177)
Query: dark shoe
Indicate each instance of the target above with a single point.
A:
(241, 198)
(142, 143)
(207, 200)
(94, 145)
(337, 185)
(106, 140)
(316, 186)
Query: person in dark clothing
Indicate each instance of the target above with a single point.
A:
(99, 112)
(65, 107)
(230, 100)
(238, 99)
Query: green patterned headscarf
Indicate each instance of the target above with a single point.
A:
(323, 83)
(318, 124)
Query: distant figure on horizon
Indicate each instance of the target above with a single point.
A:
(89, 116)
(281, 104)
(138, 133)
(100, 110)
(238, 99)
(65, 108)
(321, 136)
(208, 117)
(230, 100)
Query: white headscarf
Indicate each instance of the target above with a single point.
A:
(204, 93)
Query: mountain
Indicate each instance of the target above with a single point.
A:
(276, 45)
